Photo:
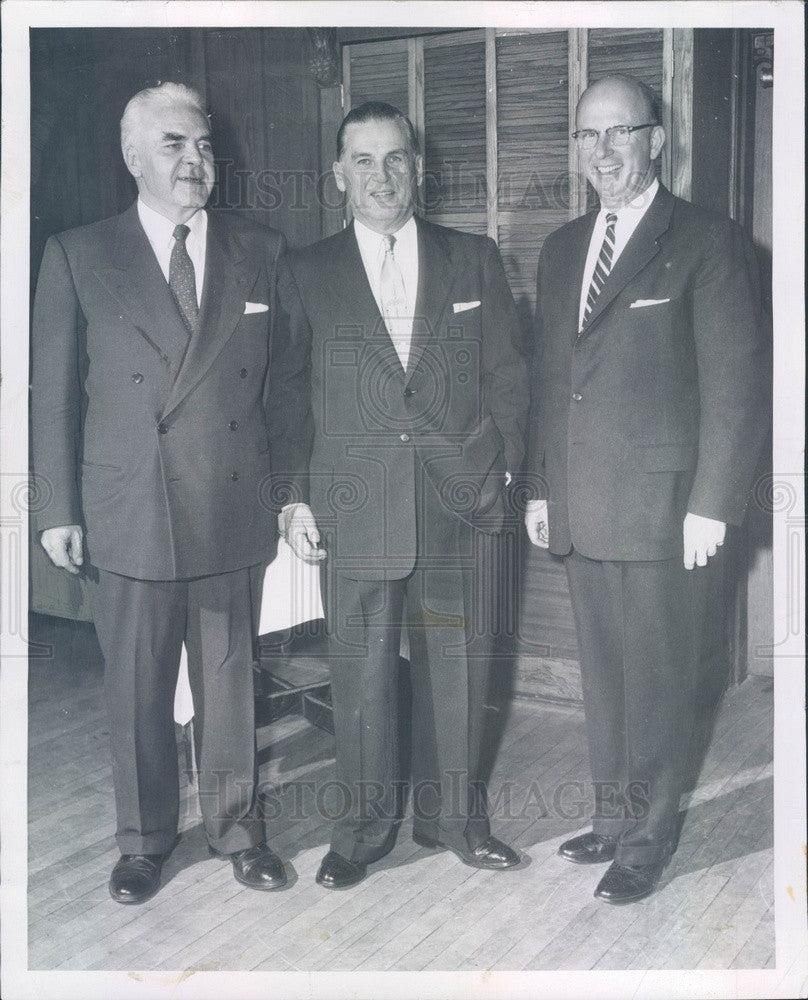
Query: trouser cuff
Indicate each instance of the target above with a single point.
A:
(152, 843)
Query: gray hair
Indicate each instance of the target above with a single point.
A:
(164, 94)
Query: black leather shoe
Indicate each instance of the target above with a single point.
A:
(337, 872)
(258, 868)
(588, 849)
(136, 877)
(629, 883)
(491, 854)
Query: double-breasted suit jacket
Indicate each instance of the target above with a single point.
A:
(159, 442)
(160, 448)
(457, 412)
(655, 408)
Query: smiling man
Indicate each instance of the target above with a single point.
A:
(646, 425)
(406, 333)
(154, 428)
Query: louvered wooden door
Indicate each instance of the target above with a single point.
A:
(493, 110)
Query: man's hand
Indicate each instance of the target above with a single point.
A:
(702, 537)
(536, 522)
(64, 546)
(299, 530)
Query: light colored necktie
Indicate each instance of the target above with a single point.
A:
(393, 297)
(602, 267)
(181, 279)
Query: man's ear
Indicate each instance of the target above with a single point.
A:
(132, 161)
(419, 169)
(339, 176)
(657, 141)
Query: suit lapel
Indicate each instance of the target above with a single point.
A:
(350, 286)
(135, 279)
(435, 280)
(640, 249)
(229, 279)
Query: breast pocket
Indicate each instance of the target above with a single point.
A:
(649, 303)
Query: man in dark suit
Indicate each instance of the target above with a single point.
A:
(419, 400)
(646, 427)
(153, 425)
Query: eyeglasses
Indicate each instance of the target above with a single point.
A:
(618, 135)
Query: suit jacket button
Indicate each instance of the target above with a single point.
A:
(405, 438)
(234, 475)
(233, 425)
(577, 397)
(162, 428)
(409, 392)
(137, 378)
(243, 373)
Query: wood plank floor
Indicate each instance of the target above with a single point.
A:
(418, 909)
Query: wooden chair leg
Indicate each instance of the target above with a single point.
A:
(189, 747)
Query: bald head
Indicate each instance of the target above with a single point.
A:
(627, 90)
(619, 165)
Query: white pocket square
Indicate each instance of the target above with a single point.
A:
(460, 307)
(641, 303)
(255, 307)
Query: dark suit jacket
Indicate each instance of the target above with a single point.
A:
(163, 460)
(656, 409)
(458, 412)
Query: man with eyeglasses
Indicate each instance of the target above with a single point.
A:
(645, 429)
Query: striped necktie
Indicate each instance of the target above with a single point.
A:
(181, 278)
(602, 267)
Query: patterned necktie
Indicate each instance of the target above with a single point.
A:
(602, 267)
(181, 279)
(393, 297)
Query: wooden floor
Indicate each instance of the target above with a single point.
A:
(418, 909)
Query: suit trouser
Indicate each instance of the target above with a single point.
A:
(639, 631)
(141, 626)
(439, 601)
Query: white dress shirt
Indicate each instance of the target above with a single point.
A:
(628, 218)
(405, 251)
(160, 233)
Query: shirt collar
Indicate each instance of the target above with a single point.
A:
(370, 242)
(160, 230)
